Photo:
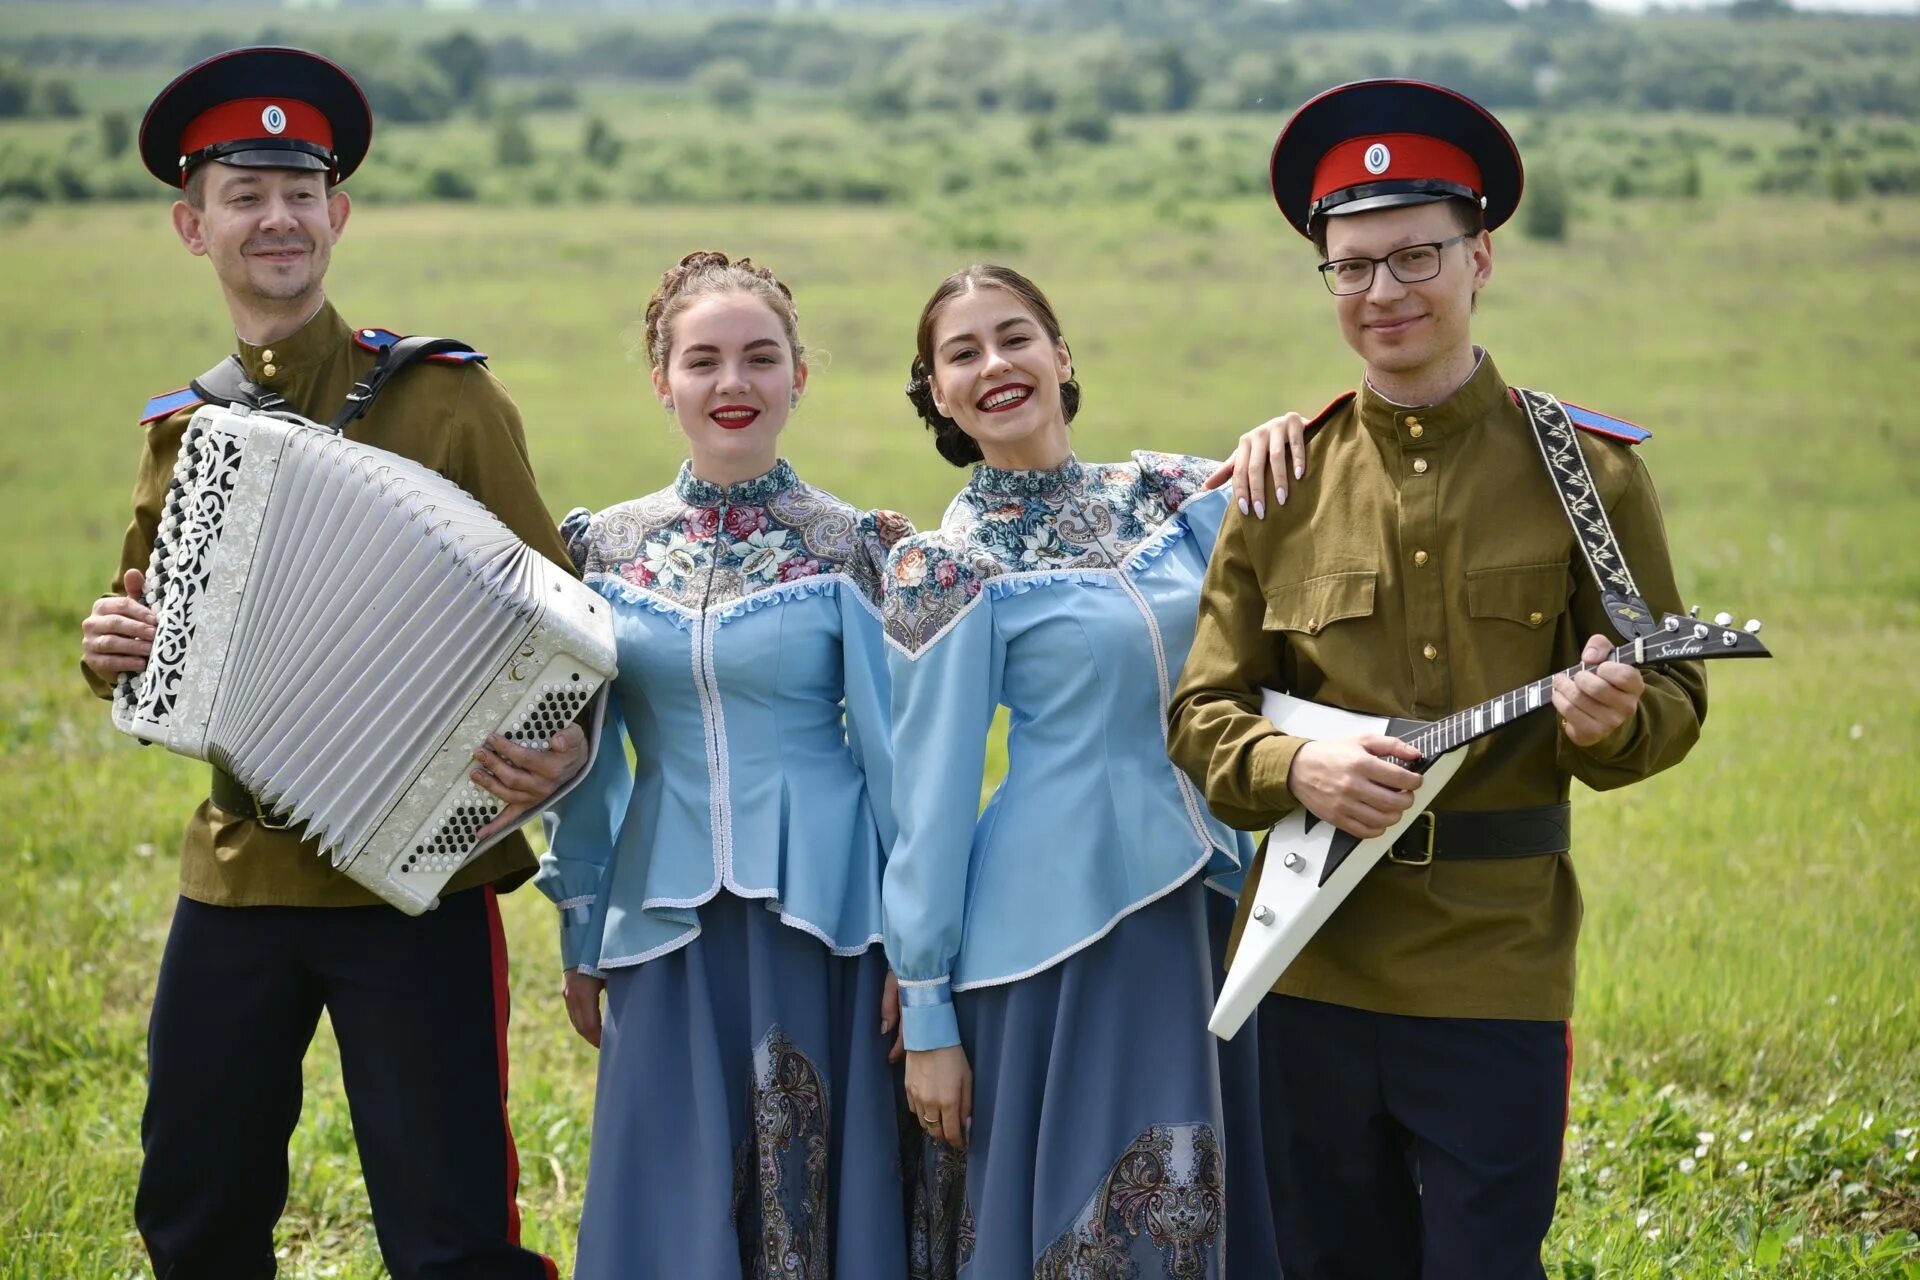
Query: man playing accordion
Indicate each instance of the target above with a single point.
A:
(266, 933)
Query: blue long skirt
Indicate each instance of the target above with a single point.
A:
(1102, 1145)
(745, 1123)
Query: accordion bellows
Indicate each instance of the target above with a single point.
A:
(339, 628)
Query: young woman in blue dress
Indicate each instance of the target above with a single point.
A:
(1057, 954)
(724, 891)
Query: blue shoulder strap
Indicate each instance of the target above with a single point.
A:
(168, 403)
(381, 339)
(1601, 424)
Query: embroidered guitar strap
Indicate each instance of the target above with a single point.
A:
(1559, 445)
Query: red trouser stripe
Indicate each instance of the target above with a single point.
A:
(1566, 1109)
(502, 1005)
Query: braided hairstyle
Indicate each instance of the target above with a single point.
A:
(704, 273)
(954, 444)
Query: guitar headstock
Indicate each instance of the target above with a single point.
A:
(1688, 638)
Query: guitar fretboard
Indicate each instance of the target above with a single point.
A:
(1462, 727)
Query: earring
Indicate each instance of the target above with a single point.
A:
(667, 404)
(793, 401)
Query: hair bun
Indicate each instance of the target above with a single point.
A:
(709, 271)
(955, 445)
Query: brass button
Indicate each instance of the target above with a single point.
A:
(1536, 617)
(1414, 429)
(1413, 424)
(268, 370)
(1419, 557)
(1313, 624)
(267, 355)
(1419, 466)
(1431, 653)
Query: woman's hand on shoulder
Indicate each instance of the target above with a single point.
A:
(1276, 448)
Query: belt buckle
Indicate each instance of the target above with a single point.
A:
(1426, 858)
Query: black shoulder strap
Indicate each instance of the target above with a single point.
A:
(227, 384)
(392, 360)
(1580, 499)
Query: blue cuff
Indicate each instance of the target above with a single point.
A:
(576, 918)
(926, 1015)
(930, 1027)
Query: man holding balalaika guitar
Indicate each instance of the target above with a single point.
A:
(1370, 678)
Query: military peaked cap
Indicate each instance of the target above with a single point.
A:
(1374, 144)
(262, 108)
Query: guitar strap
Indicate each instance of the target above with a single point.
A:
(1567, 467)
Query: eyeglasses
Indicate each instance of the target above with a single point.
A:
(1409, 265)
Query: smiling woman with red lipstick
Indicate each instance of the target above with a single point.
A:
(724, 893)
(1056, 954)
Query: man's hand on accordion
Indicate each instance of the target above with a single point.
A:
(118, 635)
(523, 777)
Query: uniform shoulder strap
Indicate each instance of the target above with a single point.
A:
(394, 356)
(1553, 431)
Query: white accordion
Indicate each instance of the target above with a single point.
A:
(339, 628)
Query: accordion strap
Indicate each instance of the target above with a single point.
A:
(227, 384)
(1559, 445)
(392, 360)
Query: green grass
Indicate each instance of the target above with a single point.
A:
(1751, 947)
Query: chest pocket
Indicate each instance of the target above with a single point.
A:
(1311, 606)
(1532, 595)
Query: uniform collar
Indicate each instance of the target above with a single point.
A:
(1475, 400)
(696, 492)
(1002, 482)
(274, 364)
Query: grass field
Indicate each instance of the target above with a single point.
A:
(1747, 1096)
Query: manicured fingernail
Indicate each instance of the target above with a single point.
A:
(1280, 495)
(1245, 508)
(1260, 510)
(1299, 469)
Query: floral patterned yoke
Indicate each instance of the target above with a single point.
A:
(699, 546)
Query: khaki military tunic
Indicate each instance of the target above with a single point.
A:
(455, 418)
(1423, 565)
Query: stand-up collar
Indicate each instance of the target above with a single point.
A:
(696, 492)
(275, 365)
(1476, 399)
(1001, 482)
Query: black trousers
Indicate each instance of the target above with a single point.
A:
(419, 1007)
(1403, 1148)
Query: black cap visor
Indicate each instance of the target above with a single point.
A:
(1390, 195)
(263, 153)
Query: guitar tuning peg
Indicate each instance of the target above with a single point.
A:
(1694, 612)
(1722, 619)
(1753, 626)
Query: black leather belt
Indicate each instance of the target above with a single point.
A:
(228, 794)
(1485, 833)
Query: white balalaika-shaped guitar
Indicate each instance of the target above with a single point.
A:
(1311, 865)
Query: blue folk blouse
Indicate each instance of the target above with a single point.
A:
(753, 690)
(1069, 596)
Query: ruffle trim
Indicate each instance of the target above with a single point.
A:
(617, 589)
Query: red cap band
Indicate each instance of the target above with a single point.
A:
(266, 120)
(1389, 157)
